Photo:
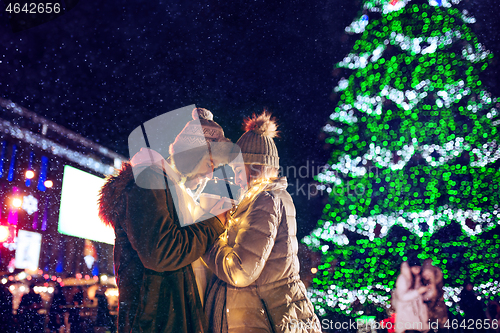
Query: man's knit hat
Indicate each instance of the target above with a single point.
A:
(257, 144)
(200, 136)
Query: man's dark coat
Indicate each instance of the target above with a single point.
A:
(153, 254)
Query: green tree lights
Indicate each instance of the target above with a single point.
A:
(414, 165)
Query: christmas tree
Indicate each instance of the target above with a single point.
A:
(414, 163)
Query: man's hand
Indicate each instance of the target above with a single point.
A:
(223, 218)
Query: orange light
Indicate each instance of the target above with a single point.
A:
(48, 183)
(314, 270)
(17, 202)
(30, 174)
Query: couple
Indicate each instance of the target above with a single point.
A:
(418, 298)
(252, 251)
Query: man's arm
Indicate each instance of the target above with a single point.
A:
(162, 245)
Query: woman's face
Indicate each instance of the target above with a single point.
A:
(204, 170)
(241, 175)
(415, 270)
(427, 274)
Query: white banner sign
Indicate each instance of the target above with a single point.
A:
(28, 249)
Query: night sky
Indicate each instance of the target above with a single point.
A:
(105, 67)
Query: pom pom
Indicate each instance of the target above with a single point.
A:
(201, 113)
(262, 124)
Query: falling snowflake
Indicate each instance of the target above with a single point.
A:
(30, 204)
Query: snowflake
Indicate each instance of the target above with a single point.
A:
(30, 204)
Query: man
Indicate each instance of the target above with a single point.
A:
(146, 205)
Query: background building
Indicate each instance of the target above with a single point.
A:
(35, 156)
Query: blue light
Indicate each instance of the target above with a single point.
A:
(43, 174)
(12, 168)
(435, 2)
(2, 157)
(95, 270)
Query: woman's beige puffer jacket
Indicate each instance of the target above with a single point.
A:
(258, 259)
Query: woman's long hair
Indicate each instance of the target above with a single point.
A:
(261, 172)
(438, 277)
(406, 272)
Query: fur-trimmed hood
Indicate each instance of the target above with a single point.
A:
(111, 199)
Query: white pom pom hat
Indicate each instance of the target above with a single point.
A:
(194, 141)
(257, 143)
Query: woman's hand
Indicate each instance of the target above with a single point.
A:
(220, 210)
(423, 290)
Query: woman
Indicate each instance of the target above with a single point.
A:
(257, 257)
(411, 312)
(432, 277)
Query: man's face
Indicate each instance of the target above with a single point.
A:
(205, 170)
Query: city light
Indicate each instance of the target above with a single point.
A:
(4, 233)
(110, 292)
(48, 183)
(44, 289)
(17, 202)
(30, 174)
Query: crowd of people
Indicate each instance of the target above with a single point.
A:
(74, 313)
